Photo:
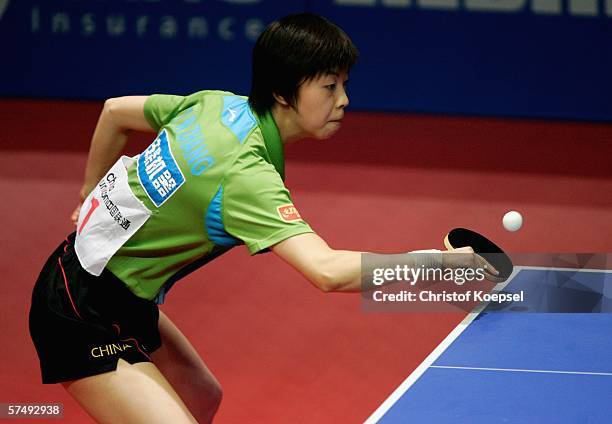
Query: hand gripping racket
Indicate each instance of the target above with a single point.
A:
(462, 237)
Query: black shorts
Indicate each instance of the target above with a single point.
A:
(82, 324)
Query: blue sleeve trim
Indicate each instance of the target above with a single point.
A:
(237, 116)
(214, 223)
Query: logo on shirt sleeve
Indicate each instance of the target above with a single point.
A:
(289, 213)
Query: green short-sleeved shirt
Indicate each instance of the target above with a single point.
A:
(213, 179)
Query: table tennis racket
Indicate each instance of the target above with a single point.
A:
(462, 237)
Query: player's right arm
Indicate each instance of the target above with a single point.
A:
(340, 270)
(253, 210)
(326, 268)
(118, 118)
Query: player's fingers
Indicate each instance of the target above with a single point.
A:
(493, 278)
(458, 258)
(464, 249)
(490, 272)
(75, 214)
(482, 263)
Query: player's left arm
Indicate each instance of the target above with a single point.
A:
(118, 118)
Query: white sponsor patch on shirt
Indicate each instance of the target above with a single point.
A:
(110, 215)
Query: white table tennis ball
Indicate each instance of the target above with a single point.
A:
(513, 221)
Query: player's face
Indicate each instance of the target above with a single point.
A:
(320, 105)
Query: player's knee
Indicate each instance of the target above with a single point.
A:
(211, 395)
(208, 403)
(216, 395)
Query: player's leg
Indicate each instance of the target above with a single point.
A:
(133, 394)
(180, 363)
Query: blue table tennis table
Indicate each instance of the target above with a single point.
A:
(522, 366)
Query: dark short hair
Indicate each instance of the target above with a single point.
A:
(295, 49)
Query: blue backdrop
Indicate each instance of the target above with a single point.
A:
(534, 58)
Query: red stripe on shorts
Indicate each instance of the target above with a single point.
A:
(59, 260)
